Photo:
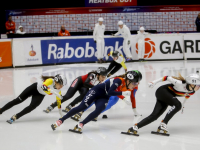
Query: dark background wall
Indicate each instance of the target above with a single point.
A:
(32, 4)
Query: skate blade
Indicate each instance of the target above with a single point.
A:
(71, 130)
(64, 111)
(94, 120)
(129, 133)
(9, 121)
(53, 128)
(73, 118)
(158, 133)
(45, 111)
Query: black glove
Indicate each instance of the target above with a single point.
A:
(129, 42)
(95, 41)
(44, 87)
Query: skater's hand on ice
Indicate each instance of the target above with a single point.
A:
(112, 34)
(95, 41)
(126, 93)
(129, 42)
(127, 100)
(151, 84)
(125, 70)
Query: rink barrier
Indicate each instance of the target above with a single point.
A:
(82, 49)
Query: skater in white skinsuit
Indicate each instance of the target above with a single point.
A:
(126, 34)
(141, 46)
(98, 35)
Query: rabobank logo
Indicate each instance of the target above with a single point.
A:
(149, 48)
(76, 50)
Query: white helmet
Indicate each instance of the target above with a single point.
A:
(60, 79)
(193, 79)
(141, 28)
(100, 19)
(120, 23)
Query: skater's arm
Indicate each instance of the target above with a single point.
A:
(87, 81)
(124, 65)
(46, 83)
(58, 100)
(112, 91)
(133, 101)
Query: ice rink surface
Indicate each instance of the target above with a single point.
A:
(33, 131)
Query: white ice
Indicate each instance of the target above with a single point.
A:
(33, 131)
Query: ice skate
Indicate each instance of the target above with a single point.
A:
(77, 129)
(67, 109)
(162, 130)
(49, 109)
(12, 119)
(77, 116)
(57, 124)
(95, 119)
(132, 131)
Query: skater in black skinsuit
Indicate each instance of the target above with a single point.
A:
(81, 84)
(166, 95)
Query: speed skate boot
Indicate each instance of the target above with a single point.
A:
(56, 124)
(163, 128)
(48, 109)
(77, 116)
(95, 119)
(132, 131)
(12, 119)
(77, 129)
(67, 109)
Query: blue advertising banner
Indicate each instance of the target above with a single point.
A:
(75, 50)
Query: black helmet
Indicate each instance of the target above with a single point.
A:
(115, 54)
(134, 76)
(60, 79)
(102, 71)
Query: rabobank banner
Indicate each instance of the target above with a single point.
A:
(75, 50)
(110, 3)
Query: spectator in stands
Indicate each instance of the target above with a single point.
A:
(20, 30)
(10, 25)
(197, 22)
(63, 31)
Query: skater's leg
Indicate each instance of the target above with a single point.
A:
(22, 97)
(176, 106)
(86, 102)
(83, 91)
(117, 67)
(112, 101)
(100, 106)
(111, 67)
(159, 109)
(168, 97)
(35, 102)
(76, 84)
